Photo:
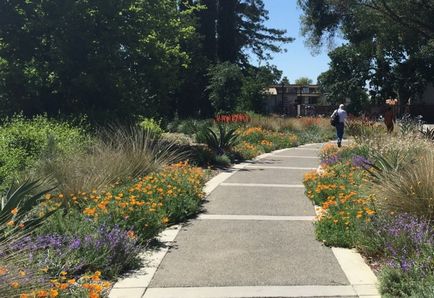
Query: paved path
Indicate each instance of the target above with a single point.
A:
(256, 239)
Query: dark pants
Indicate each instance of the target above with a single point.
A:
(340, 131)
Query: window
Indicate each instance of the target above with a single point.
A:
(305, 90)
(312, 100)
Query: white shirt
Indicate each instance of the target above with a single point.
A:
(342, 115)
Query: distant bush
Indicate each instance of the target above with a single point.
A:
(24, 141)
(152, 126)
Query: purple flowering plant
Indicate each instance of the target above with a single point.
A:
(403, 241)
(111, 250)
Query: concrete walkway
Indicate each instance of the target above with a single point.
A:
(254, 239)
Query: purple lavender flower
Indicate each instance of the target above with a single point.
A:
(360, 161)
(332, 160)
(74, 244)
(406, 237)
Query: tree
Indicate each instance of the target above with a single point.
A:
(225, 82)
(94, 57)
(240, 26)
(304, 81)
(284, 81)
(255, 82)
(346, 78)
(208, 28)
(394, 36)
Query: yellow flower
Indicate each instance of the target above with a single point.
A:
(14, 211)
(15, 284)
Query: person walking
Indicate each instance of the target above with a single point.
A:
(389, 119)
(341, 115)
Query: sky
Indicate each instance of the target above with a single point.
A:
(298, 61)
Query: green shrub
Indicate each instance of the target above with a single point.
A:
(188, 126)
(396, 283)
(24, 141)
(151, 125)
(222, 160)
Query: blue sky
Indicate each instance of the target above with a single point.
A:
(298, 60)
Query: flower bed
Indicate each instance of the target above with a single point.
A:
(256, 140)
(398, 240)
(96, 236)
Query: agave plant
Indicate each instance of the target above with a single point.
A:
(221, 141)
(17, 206)
(428, 134)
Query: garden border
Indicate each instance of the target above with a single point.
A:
(359, 274)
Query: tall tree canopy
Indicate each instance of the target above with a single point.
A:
(90, 56)
(241, 27)
(396, 38)
(124, 58)
(303, 81)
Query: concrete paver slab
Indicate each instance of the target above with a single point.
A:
(267, 176)
(299, 152)
(275, 201)
(219, 253)
(289, 161)
(253, 292)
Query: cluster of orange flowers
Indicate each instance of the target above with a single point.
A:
(93, 285)
(251, 130)
(266, 143)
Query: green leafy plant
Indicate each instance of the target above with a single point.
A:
(222, 140)
(151, 125)
(25, 141)
(16, 209)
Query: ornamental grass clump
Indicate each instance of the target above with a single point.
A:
(409, 189)
(116, 155)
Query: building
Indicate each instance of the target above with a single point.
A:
(292, 99)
